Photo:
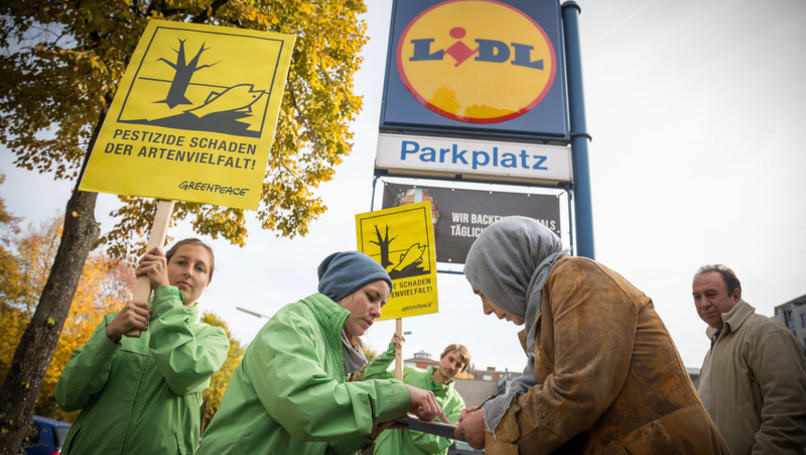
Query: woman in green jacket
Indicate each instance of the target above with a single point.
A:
(290, 394)
(438, 379)
(141, 395)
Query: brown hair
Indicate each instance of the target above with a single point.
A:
(192, 241)
(731, 282)
(464, 354)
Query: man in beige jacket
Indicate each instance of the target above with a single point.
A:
(753, 378)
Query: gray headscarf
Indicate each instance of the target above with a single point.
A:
(509, 264)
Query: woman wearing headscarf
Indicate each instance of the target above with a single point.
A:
(602, 373)
(291, 395)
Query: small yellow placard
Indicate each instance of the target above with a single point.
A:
(401, 239)
(194, 115)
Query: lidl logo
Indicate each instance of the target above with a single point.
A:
(476, 61)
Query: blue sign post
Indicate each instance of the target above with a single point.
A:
(583, 213)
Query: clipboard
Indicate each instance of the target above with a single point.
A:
(437, 428)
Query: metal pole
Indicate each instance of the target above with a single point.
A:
(583, 213)
(252, 313)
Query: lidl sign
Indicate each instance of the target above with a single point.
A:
(473, 66)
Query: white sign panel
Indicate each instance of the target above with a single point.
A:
(475, 159)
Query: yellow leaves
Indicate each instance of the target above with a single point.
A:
(218, 382)
(103, 288)
(75, 73)
(306, 8)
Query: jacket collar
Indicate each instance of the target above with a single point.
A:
(195, 312)
(328, 313)
(441, 388)
(733, 319)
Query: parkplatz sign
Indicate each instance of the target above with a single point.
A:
(473, 159)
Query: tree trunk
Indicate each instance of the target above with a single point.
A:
(38, 343)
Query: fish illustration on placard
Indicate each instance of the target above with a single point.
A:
(235, 98)
(412, 256)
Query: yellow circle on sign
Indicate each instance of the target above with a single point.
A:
(476, 61)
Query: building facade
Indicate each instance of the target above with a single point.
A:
(792, 314)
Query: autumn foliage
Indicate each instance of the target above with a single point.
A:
(105, 286)
(61, 62)
(211, 397)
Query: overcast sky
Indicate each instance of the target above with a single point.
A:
(696, 109)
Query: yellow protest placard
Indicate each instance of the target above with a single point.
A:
(401, 239)
(194, 115)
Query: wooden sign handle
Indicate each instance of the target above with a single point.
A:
(398, 350)
(418, 197)
(156, 237)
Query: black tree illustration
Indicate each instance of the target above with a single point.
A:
(383, 243)
(184, 71)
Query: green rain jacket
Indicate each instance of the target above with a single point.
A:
(400, 441)
(142, 396)
(290, 393)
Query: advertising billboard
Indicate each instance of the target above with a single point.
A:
(486, 68)
(460, 215)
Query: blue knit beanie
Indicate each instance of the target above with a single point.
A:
(341, 274)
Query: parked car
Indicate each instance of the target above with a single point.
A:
(46, 436)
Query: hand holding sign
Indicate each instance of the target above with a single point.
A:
(154, 267)
(156, 239)
(130, 320)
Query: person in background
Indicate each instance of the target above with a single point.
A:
(753, 379)
(143, 395)
(439, 380)
(290, 394)
(602, 372)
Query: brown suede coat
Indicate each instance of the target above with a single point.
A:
(610, 378)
